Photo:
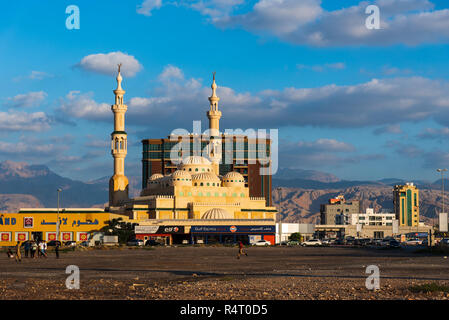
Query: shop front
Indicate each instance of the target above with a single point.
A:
(163, 234)
(74, 225)
(231, 234)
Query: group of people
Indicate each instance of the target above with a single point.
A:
(33, 249)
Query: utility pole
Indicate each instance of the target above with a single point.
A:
(57, 218)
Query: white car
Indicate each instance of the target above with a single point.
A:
(312, 242)
(413, 242)
(262, 243)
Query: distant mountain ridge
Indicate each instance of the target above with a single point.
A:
(40, 182)
(297, 193)
(291, 174)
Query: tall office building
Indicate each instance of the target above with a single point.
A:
(406, 204)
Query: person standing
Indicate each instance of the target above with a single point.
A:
(57, 249)
(241, 250)
(33, 249)
(18, 255)
(26, 247)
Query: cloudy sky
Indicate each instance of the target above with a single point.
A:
(359, 103)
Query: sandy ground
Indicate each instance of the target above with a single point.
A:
(216, 273)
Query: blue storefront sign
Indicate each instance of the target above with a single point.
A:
(233, 229)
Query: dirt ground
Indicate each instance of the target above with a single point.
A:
(216, 273)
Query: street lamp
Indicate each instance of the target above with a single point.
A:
(442, 183)
(57, 218)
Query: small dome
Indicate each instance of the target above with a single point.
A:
(233, 179)
(206, 178)
(153, 181)
(156, 176)
(181, 178)
(196, 160)
(181, 174)
(233, 175)
(216, 213)
(195, 164)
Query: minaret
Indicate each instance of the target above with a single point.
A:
(118, 184)
(214, 116)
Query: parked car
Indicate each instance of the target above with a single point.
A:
(52, 243)
(444, 242)
(135, 242)
(293, 243)
(326, 242)
(85, 244)
(413, 242)
(262, 243)
(70, 243)
(312, 242)
(338, 241)
(152, 243)
(394, 244)
(349, 240)
(362, 242)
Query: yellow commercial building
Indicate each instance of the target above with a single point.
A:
(76, 224)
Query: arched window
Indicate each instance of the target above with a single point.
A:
(201, 184)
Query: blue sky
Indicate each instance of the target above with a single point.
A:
(359, 103)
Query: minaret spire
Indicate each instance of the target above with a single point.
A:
(118, 184)
(214, 116)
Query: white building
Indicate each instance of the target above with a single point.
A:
(371, 218)
(284, 230)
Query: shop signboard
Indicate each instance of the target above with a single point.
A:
(159, 229)
(233, 229)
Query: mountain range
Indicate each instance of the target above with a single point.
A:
(297, 193)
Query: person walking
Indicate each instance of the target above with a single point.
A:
(57, 249)
(18, 255)
(33, 249)
(241, 250)
(44, 249)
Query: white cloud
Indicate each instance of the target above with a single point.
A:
(84, 106)
(107, 63)
(147, 6)
(324, 67)
(171, 72)
(34, 75)
(27, 148)
(30, 99)
(22, 121)
(410, 22)
(178, 100)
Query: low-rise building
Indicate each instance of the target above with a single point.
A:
(285, 230)
(371, 218)
(338, 211)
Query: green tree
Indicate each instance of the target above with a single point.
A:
(295, 237)
(117, 227)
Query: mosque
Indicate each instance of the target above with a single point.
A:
(194, 201)
(191, 203)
